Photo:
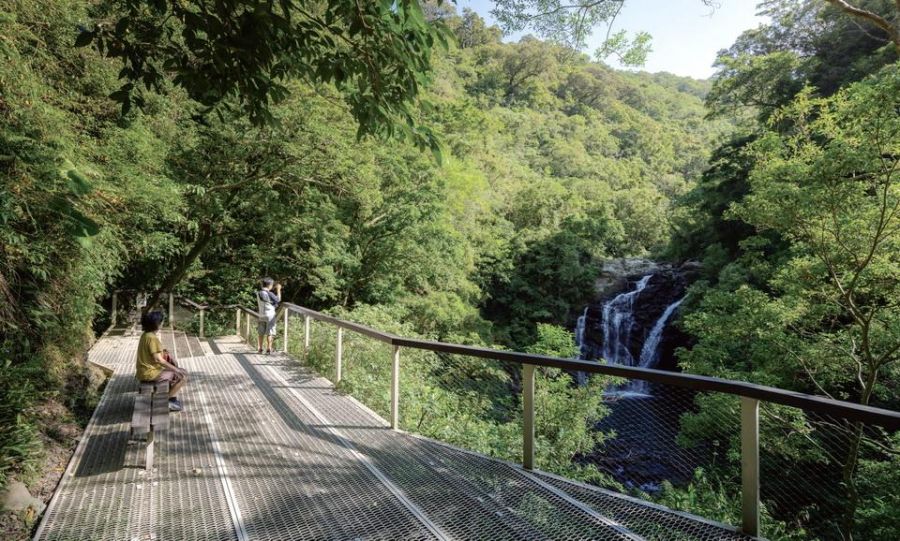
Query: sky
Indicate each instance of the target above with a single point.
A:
(686, 34)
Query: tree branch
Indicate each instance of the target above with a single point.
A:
(879, 21)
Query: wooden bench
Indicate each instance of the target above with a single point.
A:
(151, 415)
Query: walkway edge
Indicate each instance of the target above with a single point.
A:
(585, 508)
(531, 476)
(79, 449)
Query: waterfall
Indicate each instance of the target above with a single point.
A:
(579, 332)
(618, 320)
(632, 328)
(625, 329)
(650, 351)
(618, 323)
(580, 376)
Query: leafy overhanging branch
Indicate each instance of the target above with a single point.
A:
(377, 53)
(890, 28)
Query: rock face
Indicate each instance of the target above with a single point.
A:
(614, 274)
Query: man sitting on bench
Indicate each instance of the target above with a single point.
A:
(153, 362)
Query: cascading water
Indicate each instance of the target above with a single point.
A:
(579, 332)
(619, 323)
(650, 350)
(632, 329)
(580, 376)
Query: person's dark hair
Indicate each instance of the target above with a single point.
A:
(267, 282)
(151, 321)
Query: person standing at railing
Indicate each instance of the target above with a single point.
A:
(267, 302)
(154, 364)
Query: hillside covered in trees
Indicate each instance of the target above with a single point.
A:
(483, 219)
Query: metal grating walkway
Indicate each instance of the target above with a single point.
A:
(268, 451)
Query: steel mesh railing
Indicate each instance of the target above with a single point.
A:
(660, 434)
(431, 410)
(672, 445)
(827, 476)
(694, 443)
(682, 448)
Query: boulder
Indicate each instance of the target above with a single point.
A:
(614, 274)
(16, 498)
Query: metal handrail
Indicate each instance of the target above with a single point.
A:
(381, 336)
(248, 311)
(817, 404)
(750, 394)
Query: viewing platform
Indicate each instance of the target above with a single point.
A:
(267, 450)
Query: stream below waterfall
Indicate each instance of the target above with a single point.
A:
(632, 329)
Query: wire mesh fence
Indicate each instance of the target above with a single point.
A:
(822, 477)
(669, 444)
(664, 434)
(450, 398)
(248, 328)
(212, 323)
(475, 403)
(827, 477)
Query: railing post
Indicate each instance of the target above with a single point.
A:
(338, 354)
(115, 307)
(285, 345)
(172, 311)
(750, 466)
(247, 328)
(306, 335)
(395, 388)
(201, 322)
(528, 416)
(237, 321)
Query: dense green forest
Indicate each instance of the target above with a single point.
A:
(481, 217)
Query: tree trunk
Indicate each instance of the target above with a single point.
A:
(852, 461)
(176, 274)
(206, 235)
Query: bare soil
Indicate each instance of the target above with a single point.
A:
(60, 432)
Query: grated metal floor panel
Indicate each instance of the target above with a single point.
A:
(266, 450)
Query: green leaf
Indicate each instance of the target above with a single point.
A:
(120, 96)
(82, 226)
(84, 38)
(78, 184)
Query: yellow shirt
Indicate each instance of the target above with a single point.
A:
(148, 368)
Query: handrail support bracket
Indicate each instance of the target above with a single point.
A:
(395, 388)
(528, 416)
(750, 466)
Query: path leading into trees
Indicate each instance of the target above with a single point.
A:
(266, 450)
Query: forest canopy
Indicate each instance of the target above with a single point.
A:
(457, 186)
